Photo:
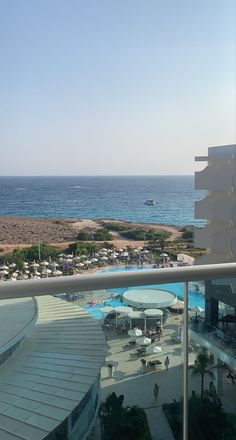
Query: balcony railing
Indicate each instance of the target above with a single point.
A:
(78, 283)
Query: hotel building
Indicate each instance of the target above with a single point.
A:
(51, 354)
(218, 208)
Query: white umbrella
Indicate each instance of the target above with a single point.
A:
(12, 279)
(103, 252)
(107, 309)
(87, 262)
(122, 309)
(179, 305)
(3, 272)
(57, 273)
(80, 265)
(104, 258)
(143, 341)
(94, 260)
(61, 255)
(34, 264)
(46, 271)
(153, 349)
(83, 256)
(134, 332)
(36, 273)
(12, 265)
(22, 277)
(197, 309)
(69, 256)
(4, 267)
(77, 258)
(44, 263)
(54, 264)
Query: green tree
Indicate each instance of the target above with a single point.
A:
(119, 423)
(203, 366)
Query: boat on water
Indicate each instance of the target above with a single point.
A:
(150, 202)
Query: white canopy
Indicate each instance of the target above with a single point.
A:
(123, 309)
(136, 315)
(153, 313)
(149, 298)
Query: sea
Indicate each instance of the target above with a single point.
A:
(102, 197)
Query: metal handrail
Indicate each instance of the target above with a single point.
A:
(98, 281)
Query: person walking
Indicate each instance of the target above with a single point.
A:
(167, 362)
(156, 391)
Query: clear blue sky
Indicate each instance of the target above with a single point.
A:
(115, 86)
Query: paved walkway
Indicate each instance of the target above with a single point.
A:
(137, 385)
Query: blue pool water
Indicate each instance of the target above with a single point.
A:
(195, 298)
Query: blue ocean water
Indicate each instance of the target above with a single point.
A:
(119, 197)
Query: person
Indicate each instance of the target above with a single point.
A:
(156, 391)
(231, 376)
(167, 362)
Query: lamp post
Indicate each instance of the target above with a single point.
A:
(39, 251)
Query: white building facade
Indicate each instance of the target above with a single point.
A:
(218, 207)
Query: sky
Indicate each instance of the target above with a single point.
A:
(115, 87)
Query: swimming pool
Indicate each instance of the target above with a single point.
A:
(195, 297)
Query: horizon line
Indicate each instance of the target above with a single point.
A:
(100, 175)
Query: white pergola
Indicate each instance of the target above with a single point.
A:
(149, 313)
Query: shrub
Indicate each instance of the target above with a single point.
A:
(30, 254)
(207, 420)
(83, 236)
(114, 226)
(102, 235)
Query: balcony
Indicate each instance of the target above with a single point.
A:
(100, 281)
(202, 237)
(221, 211)
(214, 178)
(203, 208)
(221, 242)
(219, 343)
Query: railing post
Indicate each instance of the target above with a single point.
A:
(185, 370)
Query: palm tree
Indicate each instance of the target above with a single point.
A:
(203, 365)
